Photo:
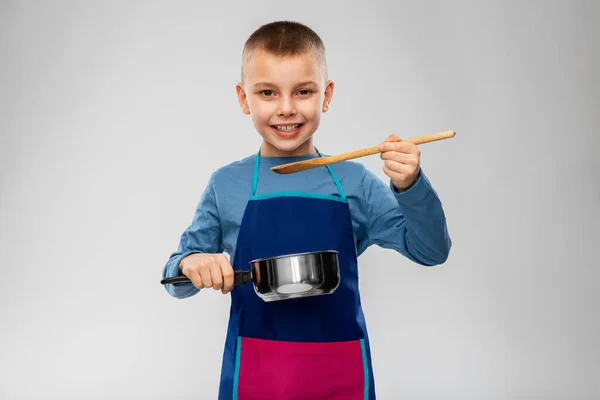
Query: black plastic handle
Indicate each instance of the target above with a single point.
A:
(175, 279)
(242, 277)
(239, 278)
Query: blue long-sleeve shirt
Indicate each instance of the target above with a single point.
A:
(411, 222)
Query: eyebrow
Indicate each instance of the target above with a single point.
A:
(306, 83)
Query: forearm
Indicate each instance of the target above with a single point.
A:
(411, 222)
(426, 237)
(202, 236)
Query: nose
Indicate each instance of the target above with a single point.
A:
(286, 107)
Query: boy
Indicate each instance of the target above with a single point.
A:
(313, 347)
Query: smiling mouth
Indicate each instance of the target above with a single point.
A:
(287, 128)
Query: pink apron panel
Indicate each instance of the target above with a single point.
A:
(278, 370)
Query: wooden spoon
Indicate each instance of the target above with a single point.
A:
(320, 161)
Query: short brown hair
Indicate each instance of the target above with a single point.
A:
(285, 39)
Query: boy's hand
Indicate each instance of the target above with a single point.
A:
(208, 270)
(402, 161)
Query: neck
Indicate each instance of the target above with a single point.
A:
(306, 148)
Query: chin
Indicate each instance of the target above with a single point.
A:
(287, 146)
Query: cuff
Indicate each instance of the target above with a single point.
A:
(418, 192)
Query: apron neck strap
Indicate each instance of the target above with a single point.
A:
(256, 168)
(255, 174)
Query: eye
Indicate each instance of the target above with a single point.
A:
(267, 93)
(304, 92)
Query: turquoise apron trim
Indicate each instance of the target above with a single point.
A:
(299, 194)
(365, 367)
(335, 179)
(296, 194)
(236, 375)
(255, 173)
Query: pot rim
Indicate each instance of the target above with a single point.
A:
(311, 253)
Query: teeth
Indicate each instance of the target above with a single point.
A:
(288, 128)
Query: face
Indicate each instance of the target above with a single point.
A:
(285, 97)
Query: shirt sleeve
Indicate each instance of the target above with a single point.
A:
(203, 235)
(411, 222)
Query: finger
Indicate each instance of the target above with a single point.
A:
(403, 158)
(194, 276)
(228, 275)
(393, 138)
(216, 276)
(401, 147)
(399, 168)
(393, 175)
(205, 273)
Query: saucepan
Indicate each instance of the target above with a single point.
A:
(288, 276)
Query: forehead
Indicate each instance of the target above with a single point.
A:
(263, 66)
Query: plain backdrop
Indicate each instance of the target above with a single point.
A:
(113, 114)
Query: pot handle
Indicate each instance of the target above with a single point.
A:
(242, 277)
(239, 278)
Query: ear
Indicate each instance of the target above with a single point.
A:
(242, 98)
(329, 86)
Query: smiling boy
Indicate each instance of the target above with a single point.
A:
(313, 347)
(287, 91)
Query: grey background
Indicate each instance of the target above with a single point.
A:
(113, 115)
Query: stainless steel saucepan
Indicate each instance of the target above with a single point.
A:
(289, 276)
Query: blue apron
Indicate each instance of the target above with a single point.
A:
(305, 348)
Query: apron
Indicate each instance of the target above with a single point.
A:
(305, 348)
